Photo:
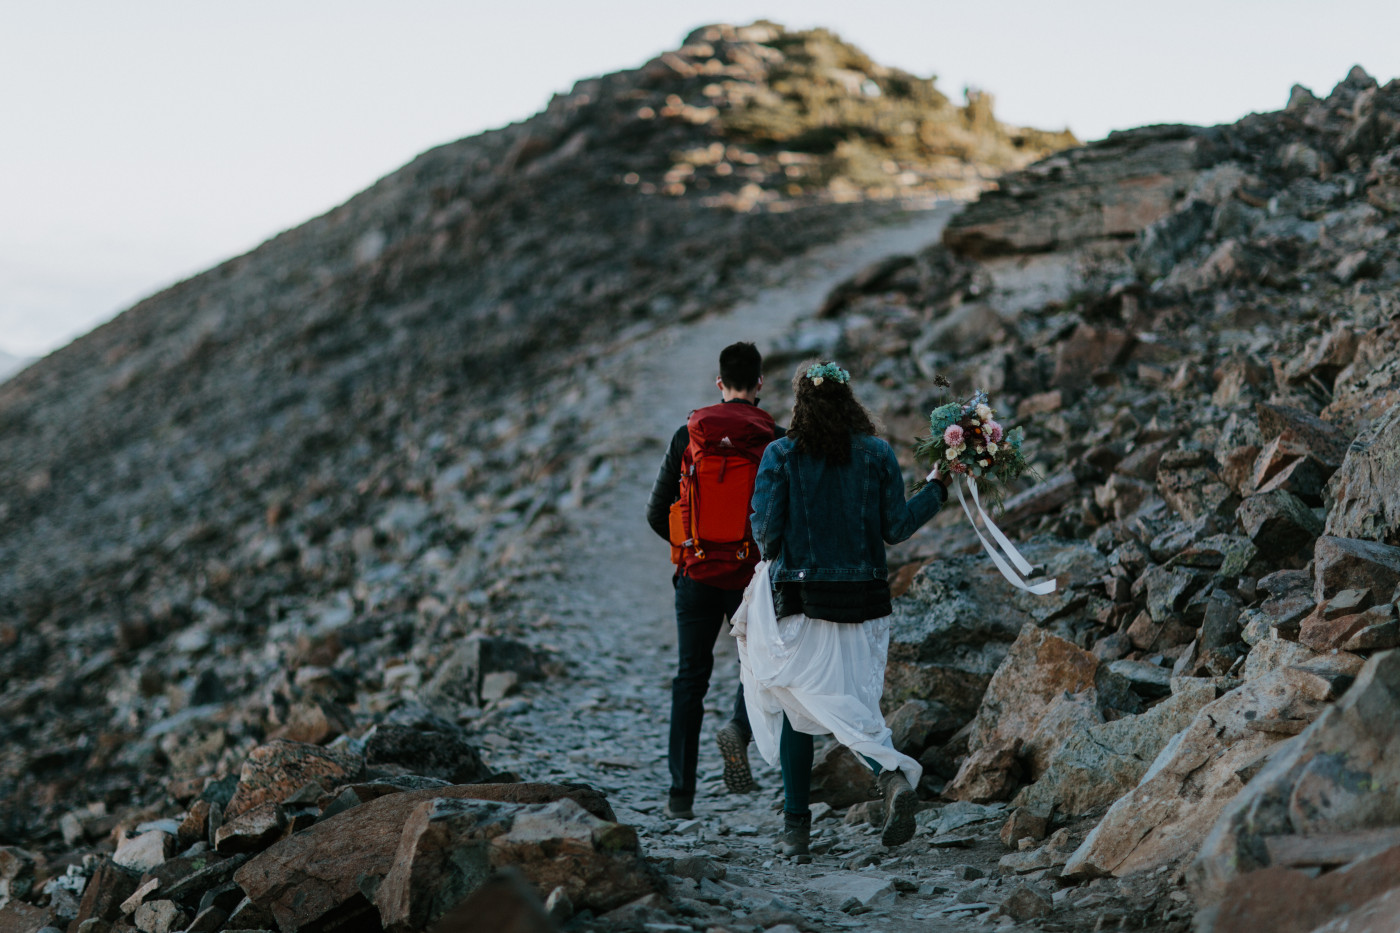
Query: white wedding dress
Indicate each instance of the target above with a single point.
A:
(826, 676)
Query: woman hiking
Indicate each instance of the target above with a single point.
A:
(828, 497)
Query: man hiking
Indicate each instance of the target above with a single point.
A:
(700, 504)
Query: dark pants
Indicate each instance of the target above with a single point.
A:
(700, 612)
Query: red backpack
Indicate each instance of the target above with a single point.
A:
(709, 523)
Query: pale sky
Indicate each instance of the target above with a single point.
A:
(143, 141)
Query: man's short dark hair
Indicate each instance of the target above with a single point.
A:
(740, 365)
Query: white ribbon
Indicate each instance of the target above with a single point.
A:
(1023, 565)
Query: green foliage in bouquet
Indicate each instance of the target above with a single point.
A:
(965, 437)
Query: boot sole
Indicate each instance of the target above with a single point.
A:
(737, 776)
(899, 823)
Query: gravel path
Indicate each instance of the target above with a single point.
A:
(610, 616)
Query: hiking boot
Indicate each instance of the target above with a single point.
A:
(680, 807)
(901, 803)
(795, 842)
(734, 749)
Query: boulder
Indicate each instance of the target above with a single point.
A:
(428, 752)
(917, 724)
(1324, 440)
(1286, 463)
(953, 627)
(461, 675)
(1024, 904)
(1323, 633)
(1190, 484)
(1024, 823)
(274, 772)
(505, 903)
(449, 847)
(252, 830)
(17, 873)
(1365, 491)
(1341, 773)
(320, 875)
(1087, 351)
(841, 779)
(1066, 714)
(1279, 523)
(1163, 820)
(989, 774)
(1349, 563)
(1099, 764)
(144, 852)
(108, 887)
(1287, 900)
(1038, 668)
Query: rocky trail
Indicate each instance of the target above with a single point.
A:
(605, 722)
(370, 633)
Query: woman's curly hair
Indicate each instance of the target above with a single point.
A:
(824, 417)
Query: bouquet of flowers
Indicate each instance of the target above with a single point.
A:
(966, 439)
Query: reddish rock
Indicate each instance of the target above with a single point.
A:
(314, 722)
(1087, 351)
(1365, 491)
(1121, 496)
(1187, 480)
(505, 903)
(1285, 900)
(1038, 500)
(252, 830)
(1285, 463)
(1237, 468)
(1038, 668)
(273, 772)
(1022, 824)
(1321, 633)
(841, 779)
(1147, 635)
(448, 847)
(314, 875)
(19, 917)
(1164, 819)
(108, 887)
(1325, 441)
(1348, 563)
(1340, 775)
(991, 773)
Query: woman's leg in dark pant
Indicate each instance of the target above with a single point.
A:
(795, 754)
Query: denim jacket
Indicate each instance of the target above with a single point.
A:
(822, 521)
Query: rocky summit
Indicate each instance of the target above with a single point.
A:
(326, 601)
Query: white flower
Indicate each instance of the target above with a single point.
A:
(975, 422)
(952, 453)
(985, 462)
(980, 448)
(817, 380)
(984, 413)
(991, 448)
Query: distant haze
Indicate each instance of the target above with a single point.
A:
(146, 141)
(9, 364)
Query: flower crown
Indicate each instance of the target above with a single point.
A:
(824, 371)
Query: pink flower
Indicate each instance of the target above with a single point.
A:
(993, 432)
(958, 467)
(953, 436)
